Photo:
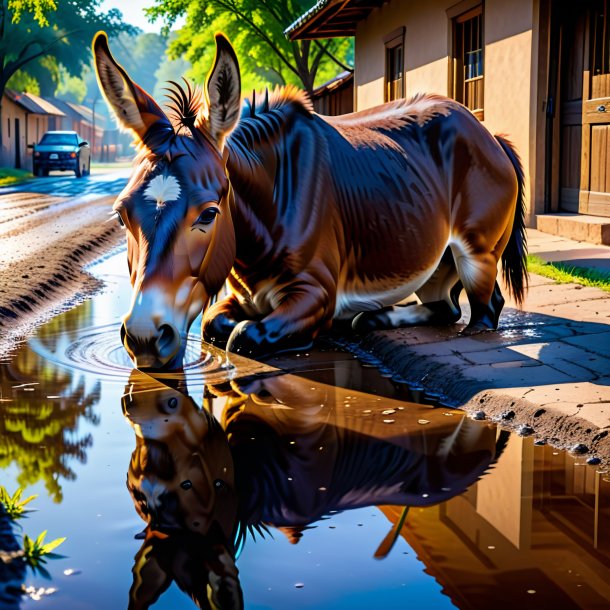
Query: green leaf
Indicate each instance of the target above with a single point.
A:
(29, 499)
(47, 548)
(40, 539)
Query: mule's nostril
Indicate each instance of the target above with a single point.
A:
(168, 340)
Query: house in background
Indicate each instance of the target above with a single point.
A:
(25, 119)
(335, 96)
(536, 70)
(79, 118)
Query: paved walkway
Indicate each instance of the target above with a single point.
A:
(546, 372)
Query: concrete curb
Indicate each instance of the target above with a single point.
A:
(434, 359)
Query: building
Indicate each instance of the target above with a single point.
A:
(536, 70)
(25, 118)
(79, 118)
(335, 96)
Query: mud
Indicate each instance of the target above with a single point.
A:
(44, 244)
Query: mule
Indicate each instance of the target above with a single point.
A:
(310, 219)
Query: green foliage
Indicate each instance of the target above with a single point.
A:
(8, 175)
(39, 436)
(14, 505)
(36, 552)
(141, 56)
(568, 274)
(23, 81)
(63, 29)
(39, 9)
(71, 88)
(256, 30)
(169, 69)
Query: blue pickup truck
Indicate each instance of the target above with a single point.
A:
(64, 151)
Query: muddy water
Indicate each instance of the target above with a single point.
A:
(285, 489)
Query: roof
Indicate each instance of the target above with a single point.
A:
(78, 112)
(334, 84)
(331, 18)
(33, 104)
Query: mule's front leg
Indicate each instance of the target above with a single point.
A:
(220, 320)
(302, 311)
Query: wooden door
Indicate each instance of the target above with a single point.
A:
(595, 160)
(572, 28)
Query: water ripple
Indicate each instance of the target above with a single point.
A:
(98, 350)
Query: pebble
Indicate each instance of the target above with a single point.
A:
(579, 449)
(423, 422)
(388, 412)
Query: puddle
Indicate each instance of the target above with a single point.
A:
(286, 489)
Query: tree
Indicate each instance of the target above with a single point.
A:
(141, 56)
(61, 30)
(256, 29)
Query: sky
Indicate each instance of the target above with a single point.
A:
(133, 12)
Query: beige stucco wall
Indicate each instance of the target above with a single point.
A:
(510, 38)
(10, 112)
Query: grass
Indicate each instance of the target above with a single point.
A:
(9, 176)
(14, 505)
(36, 552)
(568, 274)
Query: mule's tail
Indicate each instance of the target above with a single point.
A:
(514, 257)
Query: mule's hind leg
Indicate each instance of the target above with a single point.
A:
(441, 292)
(478, 272)
(439, 296)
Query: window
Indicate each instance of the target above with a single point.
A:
(394, 65)
(468, 70)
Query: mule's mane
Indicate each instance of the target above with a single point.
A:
(184, 104)
(281, 97)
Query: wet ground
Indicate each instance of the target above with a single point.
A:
(325, 486)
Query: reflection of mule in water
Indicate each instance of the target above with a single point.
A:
(288, 453)
(311, 218)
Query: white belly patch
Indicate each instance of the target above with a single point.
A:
(355, 299)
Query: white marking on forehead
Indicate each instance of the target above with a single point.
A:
(162, 190)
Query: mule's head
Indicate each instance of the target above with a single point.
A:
(181, 473)
(176, 208)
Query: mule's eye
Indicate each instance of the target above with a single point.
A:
(120, 220)
(207, 216)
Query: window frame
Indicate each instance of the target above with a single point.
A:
(461, 14)
(392, 42)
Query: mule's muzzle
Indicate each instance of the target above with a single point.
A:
(163, 349)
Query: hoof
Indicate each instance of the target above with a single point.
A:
(217, 330)
(475, 329)
(253, 340)
(368, 321)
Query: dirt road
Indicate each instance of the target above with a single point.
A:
(50, 228)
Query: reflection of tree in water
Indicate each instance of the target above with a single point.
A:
(40, 434)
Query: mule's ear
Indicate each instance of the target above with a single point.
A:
(134, 108)
(223, 90)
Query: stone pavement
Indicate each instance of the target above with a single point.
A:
(546, 372)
